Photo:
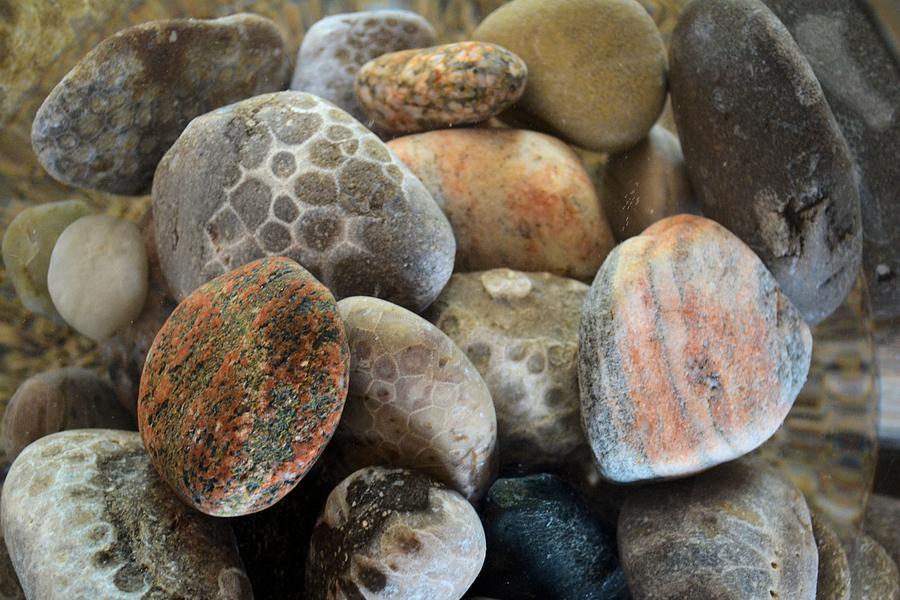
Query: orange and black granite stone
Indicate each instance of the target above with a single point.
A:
(243, 387)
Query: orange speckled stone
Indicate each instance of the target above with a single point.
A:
(243, 387)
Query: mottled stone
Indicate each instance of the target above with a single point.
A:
(544, 542)
(335, 47)
(873, 573)
(764, 153)
(738, 532)
(444, 86)
(415, 401)
(690, 354)
(596, 68)
(833, 582)
(97, 276)
(526, 203)
(288, 174)
(109, 527)
(10, 589)
(243, 387)
(27, 245)
(882, 523)
(109, 121)
(500, 319)
(392, 533)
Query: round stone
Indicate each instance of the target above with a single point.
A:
(243, 387)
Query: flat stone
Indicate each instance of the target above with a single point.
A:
(873, 572)
(882, 523)
(243, 387)
(764, 152)
(690, 354)
(106, 125)
(108, 527)
(833, 581)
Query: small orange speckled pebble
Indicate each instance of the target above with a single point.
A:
(243, 387)
(432, 88)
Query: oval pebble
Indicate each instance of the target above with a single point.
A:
(392, 533)
(243, 387)
(444, 86)
(690, 354)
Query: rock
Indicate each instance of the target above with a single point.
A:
(10, 589)
(288, 174)
(335, 47)
(872, 571)
(584, 82)
(500, 319)
(765, 155)
(690, 354)
(98, 275)
(646, 183)
(243, 387)
(544, 542)
(833, 581)
(108, 527)
(527, 203)
(109, 121)
(444, 86)
(395, 534)
(882, 523)
(58, 400)
(415, 401)
(27, 245)
(738, 532)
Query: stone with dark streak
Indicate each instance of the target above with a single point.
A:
(690, 354)
(243, 387)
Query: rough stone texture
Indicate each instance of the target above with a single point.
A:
(27, 245)
(500, 319)
(882, 522)
(10, 589)
(444, 86)
(288, 174)
(873, 572)
(109, 527)
(335, 47)
(415, 401)
(243, 387)
(646, 183)
(765, 155)
(392, 533)
(109, 121)
(833, 582)
(739, 532)
(596, 68)
(526, 202)
(58, 400)
(690, 354)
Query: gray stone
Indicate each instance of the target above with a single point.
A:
(882, 522)
(833, 581)
(873, 573)
(9, 581)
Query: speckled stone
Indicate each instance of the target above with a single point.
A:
(109, 121)
(335, 47)
(873, 573)
(288, 174)
(243, 387)
(500, 319)
(882, 522)
(10, 589)
(738, 532)
(738, 78)
(58, 400)
(415, 401)
(544, 542)
(444, 86)
(526, 203)
(596, 68)
(690, 354)
(109, 527)
(833, 582)
(392, 533)
(27, 245)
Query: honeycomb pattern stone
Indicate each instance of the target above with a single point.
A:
(289, 174)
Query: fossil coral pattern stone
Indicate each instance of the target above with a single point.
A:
(288, 174)
(882, 522)
(109, 527)
(110, 120)
(443, 86)
(873, 573)
(244, 386)
(415, 400)
(765, 154)
(833, 581)
(529, 361)
(738, 532)
(335, 47)
(393, 533)
(526, 202)
(690, 354)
